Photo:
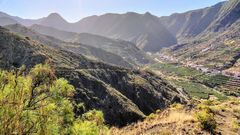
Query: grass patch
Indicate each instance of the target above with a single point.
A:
(198, 90)
(175, 69)
(186, 72)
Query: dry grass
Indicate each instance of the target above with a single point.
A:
(178, 120)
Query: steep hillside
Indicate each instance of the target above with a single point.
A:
(123, 95)
(191, 23)
(127, 50)
(217, 46)
(202, 118)
(77, 48)
(56, 21)
(203, 22)
(228, 15)
(220, 51)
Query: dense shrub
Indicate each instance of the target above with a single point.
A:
(206, 119)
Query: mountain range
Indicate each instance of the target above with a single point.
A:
(151, 37)
(155, 33)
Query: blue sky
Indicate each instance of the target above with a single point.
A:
(74, 10)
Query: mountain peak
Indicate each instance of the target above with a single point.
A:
(148, 13)
(54, 20)
(55, 15)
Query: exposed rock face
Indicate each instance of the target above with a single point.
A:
(123, 95)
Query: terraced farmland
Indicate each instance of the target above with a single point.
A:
(195, 83)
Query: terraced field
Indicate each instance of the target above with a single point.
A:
(194, 82)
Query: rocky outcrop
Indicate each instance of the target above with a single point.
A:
(123, 95)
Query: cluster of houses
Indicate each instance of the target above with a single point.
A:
(168, 58)
(213, 71)
(200, 67)
(232, 74)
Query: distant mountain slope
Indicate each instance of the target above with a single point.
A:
(191, 23)
(7, 21)
(144, 30)
(220, 50)
(26, 22)
(204, 21)
(123, 95)
(228, 15)
(54, 20)
(217, 45)
(77, 48)
(127, 50)
(51, 31)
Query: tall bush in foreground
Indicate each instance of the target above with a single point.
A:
(39, 103)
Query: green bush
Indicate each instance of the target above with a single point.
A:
(39, 103)
(151, 116)
(206, 119)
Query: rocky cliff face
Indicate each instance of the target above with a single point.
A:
(123, 95)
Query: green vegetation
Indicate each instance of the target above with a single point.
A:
(235, 125)
(196, 83)
(151, 116)
(175, 69)
(214, 80)
(198, 90)
(206, 120)
(176, 106)
(185, 72)
(39, 103)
